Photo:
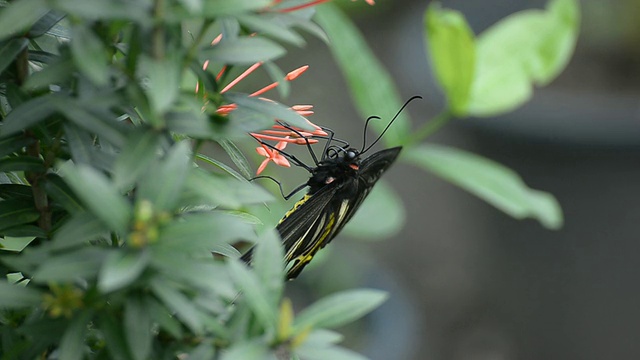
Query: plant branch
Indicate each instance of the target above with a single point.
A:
(431, 127)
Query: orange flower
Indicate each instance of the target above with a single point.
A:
(272, 155)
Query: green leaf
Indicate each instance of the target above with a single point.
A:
(276, 75)
(339, 309)
(138, 323)
(80, 264)
(121, 268)
(24, 231)
(225, 191)
(90, 55)
(269, 266)
(99, 195)
(222, 166)
(72, 346)
(84, 116)
(15, 212)
(267, 107)
(451, 47)
(80, 144)
(203, 231)
(178, 303)
(135, 158)
(382, 215)
(45, 23)
(225, 7)
(244, 51)
(173, 171)
(371, 86)
(22, 163)
(528, 48)
(492, 182)
(114, 9)
(10, 50)
(16, 244)
(163, 78)
(114, 337)
(164, 318)
(12, 144)
(14, 191)
(247, 350)
(19, 15)
(327, 352)
(59, 191)
(81, 228)
(28, 114)
(269, 25)
(254, 293)
(13, 296)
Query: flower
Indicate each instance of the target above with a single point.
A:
(272, 155)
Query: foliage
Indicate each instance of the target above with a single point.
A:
(108, 217)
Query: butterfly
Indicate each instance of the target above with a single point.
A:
(338, 185)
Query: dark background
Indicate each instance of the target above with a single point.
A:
(467, 281)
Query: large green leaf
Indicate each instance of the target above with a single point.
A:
(83, 263)
(528, 48)
(135, 158)
(28, 114)
(451, 47)
(492, 182)
(217, 190)
(138, 327)
(72, 345)
(372, 87)
(339, 309)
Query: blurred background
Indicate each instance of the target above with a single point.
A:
(466, 281)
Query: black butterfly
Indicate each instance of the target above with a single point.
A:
(338, 185)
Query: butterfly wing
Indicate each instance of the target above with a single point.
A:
(318, 231)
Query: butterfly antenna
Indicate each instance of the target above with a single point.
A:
(364, 133)
(390, 122)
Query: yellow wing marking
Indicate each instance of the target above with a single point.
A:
(295, 207)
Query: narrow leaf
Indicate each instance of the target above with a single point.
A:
(138, 323)
(14, 296)
(181, 305)
(10, 50)
(135, 158)
(244, 51)
(72, 346)
(19, 15)
(81, 228)
(173, 170)
(59, 191)
(15, 212)
(80, 264)
(371, 86)
(492, 182)
(339, 309)
(22, 163)
(99, 195)
(255, 294)
(90, 55)
(121, 268)
(275, 110)
(28, 113)
(269, 266)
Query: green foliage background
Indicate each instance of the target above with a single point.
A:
(107, 220)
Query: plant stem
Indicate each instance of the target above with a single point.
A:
(158, 31)
(431, 127)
